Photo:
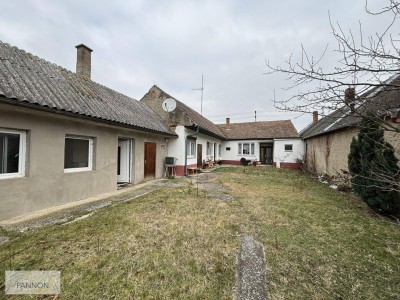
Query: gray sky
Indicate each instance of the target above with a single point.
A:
(172, 43)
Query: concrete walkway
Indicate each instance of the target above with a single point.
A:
(250, 271)
(75, 211)
(69, 212)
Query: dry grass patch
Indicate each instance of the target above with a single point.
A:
(172, 244)
(166, 245)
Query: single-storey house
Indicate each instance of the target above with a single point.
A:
(64, 137)
(199, 140)
(327, 141)
(269, 142)
(273, 142)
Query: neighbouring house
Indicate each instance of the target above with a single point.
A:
(269, 142)
(64, 137)
(198, 138)
(328, 140)
(200, 142)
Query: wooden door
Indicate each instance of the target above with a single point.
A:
(262, 155)
(199, 155)
(266, 155)
(149, 160)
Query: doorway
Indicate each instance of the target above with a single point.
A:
(124, 162)
(199, 155)
(149, 160)
(266, 154)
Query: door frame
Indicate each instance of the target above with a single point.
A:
(266, 146)
(129, 154)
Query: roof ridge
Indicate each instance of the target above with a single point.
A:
(241, 123)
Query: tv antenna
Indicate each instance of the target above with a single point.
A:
(201, 89)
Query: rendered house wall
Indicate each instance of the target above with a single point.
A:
(285, 158)
(328, 153)
(232, 156)
(45, 183)
(176, 148)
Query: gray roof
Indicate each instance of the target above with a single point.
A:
(28, 80)
(380, 100)
(196, 118)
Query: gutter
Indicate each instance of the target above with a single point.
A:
(56, 111)
(186, 139)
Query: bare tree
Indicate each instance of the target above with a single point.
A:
(368, 65)
(365, 63)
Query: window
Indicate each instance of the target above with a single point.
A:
(246, 148)
(288, 147)
(78, 154)
(228, 148)
(191, 149)
(209, 148)
(219, 150)
(12, 153)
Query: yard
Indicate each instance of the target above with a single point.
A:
(173, 244)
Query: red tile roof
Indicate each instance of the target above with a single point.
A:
(259, 130)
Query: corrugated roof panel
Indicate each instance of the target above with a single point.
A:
(26, 77)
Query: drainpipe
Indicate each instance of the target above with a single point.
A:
(186, 139)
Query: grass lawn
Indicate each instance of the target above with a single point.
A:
(173, 244)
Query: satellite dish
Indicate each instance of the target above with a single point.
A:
(169, 105)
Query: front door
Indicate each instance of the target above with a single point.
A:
(199, 155)
(124, 161)
(266, 155)
(149, 160)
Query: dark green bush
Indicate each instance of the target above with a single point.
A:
(373, 166)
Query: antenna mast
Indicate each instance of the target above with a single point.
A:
(201, 89)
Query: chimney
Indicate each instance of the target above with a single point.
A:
(83, 61)
(228, 123)
(315, 117)
(349, 95)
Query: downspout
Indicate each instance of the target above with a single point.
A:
(186, 140)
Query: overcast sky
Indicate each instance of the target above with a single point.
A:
(172, 43)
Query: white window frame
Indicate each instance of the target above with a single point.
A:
(284, 147)
(251, 148)
(191, 152)
(90, 158)
(21, 154)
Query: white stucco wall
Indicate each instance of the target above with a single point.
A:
(176, 146)
(203, 139)
(234, 145)
(280, 155)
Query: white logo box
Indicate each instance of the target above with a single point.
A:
(32, 283)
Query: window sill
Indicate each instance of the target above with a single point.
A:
(288, 150)
(77, 170)
(11, 176)
(191, 156)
